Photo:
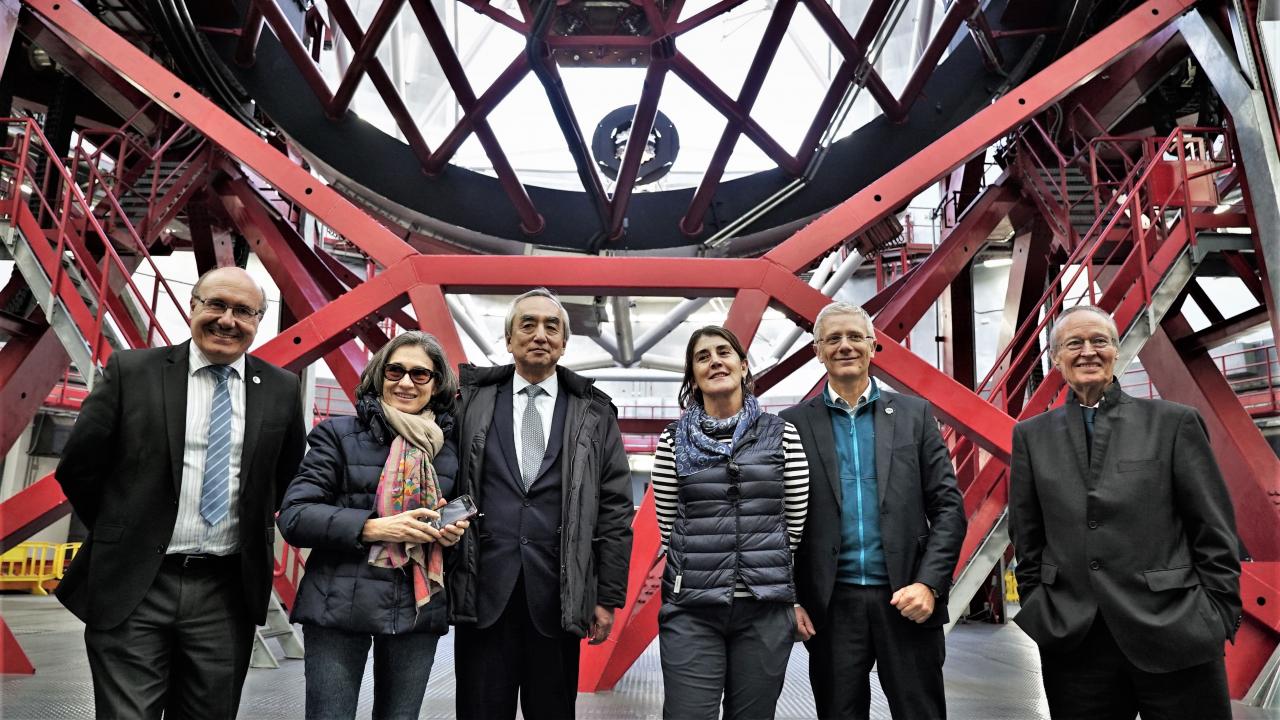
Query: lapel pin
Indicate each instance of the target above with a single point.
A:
(888, 411)
(257, 380)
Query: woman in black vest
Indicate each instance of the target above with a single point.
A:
(731, 486)
(363, 500)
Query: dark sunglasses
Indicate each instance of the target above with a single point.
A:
(420, 376)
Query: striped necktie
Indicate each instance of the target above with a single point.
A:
(532, 443)
(215, 498)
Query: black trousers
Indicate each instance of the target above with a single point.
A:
(511, 660)
(1095, 681)
(861, 630)
(184, 651)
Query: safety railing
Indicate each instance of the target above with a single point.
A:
(290, 566)
(1252, 373)
(36, 566)
(61, 234)
(124, 172)
(1111, 265)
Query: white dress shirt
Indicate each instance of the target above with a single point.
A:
(545, 404)
(191, 534)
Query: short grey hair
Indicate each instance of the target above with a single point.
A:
(446, 388)
(842, 308)
(537, 292)
(1068, 312)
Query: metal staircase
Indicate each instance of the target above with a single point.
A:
(1135, 271)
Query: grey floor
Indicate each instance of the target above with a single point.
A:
(992, 673)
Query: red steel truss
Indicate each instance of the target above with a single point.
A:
(235, 172)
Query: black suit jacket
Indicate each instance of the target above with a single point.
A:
(922, 521)
(122, 471)
(1143, 532)
(521, 535)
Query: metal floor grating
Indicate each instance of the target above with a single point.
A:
(992, 673)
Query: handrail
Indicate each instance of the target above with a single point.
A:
(70, 218)
(1137, 204)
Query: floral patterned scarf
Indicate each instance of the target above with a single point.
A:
(408, 482)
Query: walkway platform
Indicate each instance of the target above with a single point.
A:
(992, 673)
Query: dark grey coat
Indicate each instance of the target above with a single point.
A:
(325, 509)
(1142, 532)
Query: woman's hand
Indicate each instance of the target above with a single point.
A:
(412, 526)
(453, 532)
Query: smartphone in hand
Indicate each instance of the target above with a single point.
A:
(458, 509)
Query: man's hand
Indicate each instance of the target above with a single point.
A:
(601, 624)
(914, 601)
(804, 626)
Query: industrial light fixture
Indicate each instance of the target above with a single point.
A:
(609, 143)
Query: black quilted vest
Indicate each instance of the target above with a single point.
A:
(732, 526)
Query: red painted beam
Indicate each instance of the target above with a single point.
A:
(366, 46)
(382, 82)
(279, 24)
(745, 314)
(1249, 465)
(891, 191)
(88, 36)
(30, 366)
(30, 510)
(944, 264)
(531, 223)
(13, 661)
(434, 317)
(691, 223)
(637, 139)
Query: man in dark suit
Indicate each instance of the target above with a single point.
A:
(541, 454)
(177, 464)
(1126, 543)
(882, 537)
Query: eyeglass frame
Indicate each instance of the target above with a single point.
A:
(236, 310)
(1093, 343)
(397, 368)
(835, 339)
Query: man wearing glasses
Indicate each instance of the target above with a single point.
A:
(1126, 543)
(882, 537)
(540, 452)
(177, 464)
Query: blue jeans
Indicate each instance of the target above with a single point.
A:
(335, 662)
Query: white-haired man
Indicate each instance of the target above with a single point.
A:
(1126, 543)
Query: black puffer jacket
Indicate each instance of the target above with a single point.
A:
(325, 509)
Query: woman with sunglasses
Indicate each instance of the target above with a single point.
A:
(731, 489)
(363, 500)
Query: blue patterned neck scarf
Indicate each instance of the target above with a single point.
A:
(695, 444)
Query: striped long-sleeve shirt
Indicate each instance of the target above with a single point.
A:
(795, 478)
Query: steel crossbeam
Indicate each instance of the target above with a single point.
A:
(329, 318)
(896, 188)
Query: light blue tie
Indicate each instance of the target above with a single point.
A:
(215, 498)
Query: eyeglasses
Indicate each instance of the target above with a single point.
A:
(420, 376)
(1075, 345)
(835, 339)
(241, 312)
